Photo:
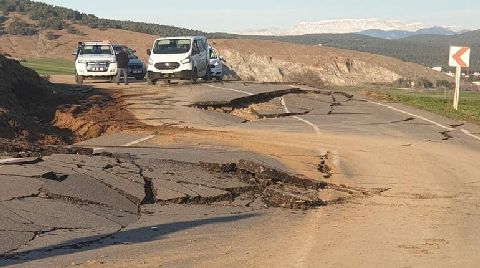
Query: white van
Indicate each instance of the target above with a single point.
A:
(185, 58)
(95, 59)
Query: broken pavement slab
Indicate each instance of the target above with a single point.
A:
(56, 214)
(14, 187)
(10, 240)
(68, 201)
(32, 171)
(188, 173)
(82, 189)
(266, 174)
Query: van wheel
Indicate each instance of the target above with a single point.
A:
(79, 79)
(150, 81)
(208, 75)
(194, 76)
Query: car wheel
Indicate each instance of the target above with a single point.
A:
(220, 78)
(194, 76)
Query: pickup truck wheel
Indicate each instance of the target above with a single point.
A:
(194, 76)
(79, 79)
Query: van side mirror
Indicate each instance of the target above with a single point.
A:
(149, 52)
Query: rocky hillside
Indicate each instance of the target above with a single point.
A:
(281, 62)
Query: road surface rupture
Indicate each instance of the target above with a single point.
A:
(85, 199)
(247, 108)
(127, 207)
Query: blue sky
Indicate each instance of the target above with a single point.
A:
(221, 15)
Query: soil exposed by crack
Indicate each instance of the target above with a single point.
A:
(36, 117)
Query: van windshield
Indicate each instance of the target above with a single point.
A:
(96, 49)
(172, 46)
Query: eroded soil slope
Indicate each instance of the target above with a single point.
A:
(26, 106)
(271, 61)
(35, 113)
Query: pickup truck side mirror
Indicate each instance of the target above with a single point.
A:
(149, 52)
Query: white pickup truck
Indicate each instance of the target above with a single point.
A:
(95, 59)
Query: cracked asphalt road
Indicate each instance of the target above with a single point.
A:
(402, 185)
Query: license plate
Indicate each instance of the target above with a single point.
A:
(137, 71)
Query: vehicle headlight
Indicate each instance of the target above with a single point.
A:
(113, 61)
(187, 60)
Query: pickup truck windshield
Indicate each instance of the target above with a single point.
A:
(172, 46)
(96, 49)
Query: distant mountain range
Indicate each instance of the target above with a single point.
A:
(385, 29)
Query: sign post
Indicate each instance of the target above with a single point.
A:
(459, 58)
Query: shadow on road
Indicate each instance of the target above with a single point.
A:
(127, 237)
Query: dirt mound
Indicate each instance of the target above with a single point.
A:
(26, 105)
(271, 61)
(35, 114)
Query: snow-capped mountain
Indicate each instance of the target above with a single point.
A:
(344, 26)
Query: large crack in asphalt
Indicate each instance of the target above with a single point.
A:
(168, 182)
(249, 107)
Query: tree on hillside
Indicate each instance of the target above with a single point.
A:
(19, 27)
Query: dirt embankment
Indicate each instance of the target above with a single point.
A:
(35, 114)
(283, 62)
(26, 106)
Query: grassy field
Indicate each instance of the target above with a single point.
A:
(436, 102)
(45, 66)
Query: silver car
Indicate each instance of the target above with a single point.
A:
(216, 65)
